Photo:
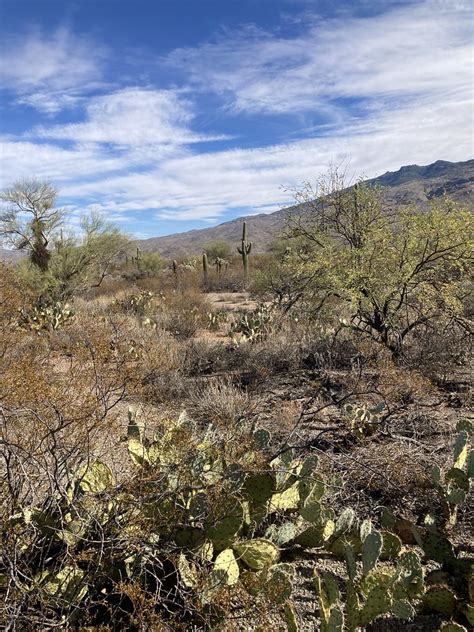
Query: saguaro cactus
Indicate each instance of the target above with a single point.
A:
(138, 258)
(244, 250)
(205, 268)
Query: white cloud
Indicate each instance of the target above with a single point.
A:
(416, 48)
(133, 117)
(49, 71)
(136, 149)
(205, 186)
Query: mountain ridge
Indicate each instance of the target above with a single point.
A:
(411, 184)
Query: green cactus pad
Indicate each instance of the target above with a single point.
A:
(468, 611)
(440, 599)
(67, 584)
(138, 453)
(226, 564)
(461, 449)
(458, 477)
(452, 627)
(465, 425)
(331, 588)
(259, 488)
(338, 546)
(235, 474)
(391, 547)
(402, 609)
(365, 529)
(438, 548)
(222, 527)
(277, 583)
(291, 618)
(344, 521)
(352, 608)
(371, 549)
(335, 623)
(262, 438)
(351, 564)
(198, 507)
(470, 464)
(288, 499)
(315, 536)
(378, 602)
(281, 534)
(410, 569)
(258, 553)
(95, 478)
(187, 572)
(376, 578)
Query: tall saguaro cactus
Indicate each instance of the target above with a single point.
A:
(244, 250)
(205, 268)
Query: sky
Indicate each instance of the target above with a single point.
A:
(172, 115)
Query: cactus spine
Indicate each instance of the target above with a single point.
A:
(244, 250)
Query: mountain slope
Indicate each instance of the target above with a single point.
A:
(412, 184)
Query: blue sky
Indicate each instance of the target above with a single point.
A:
(168, 116)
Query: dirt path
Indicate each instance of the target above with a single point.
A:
(231, 301)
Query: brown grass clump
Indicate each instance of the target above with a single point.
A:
(220, 403)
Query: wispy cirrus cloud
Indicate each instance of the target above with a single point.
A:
(381, 90)
(413, 49)
(51, 71)
(133, 117)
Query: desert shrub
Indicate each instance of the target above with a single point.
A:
(230, 279)
(386, 275)
(139, 304)
(219, 402)
(185, 313)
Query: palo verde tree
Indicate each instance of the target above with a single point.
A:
(390, 272)
(29, 219)
(82, 261)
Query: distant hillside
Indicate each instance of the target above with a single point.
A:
(412, 184)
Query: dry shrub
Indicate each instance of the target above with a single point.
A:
(220, 403)
(183, 314)
(390, 470)
(440, 351)
(401, 385)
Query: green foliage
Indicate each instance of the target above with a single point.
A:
(30, 219)
(139, 304)
(386, 275)
(217, 250)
